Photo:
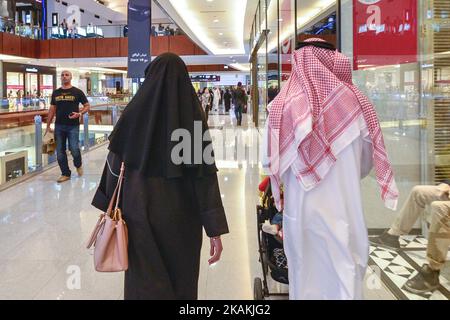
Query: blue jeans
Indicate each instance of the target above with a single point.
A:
(238, 111)
(62, 134)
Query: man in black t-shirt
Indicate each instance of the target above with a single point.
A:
(65, 104)
(240, 102)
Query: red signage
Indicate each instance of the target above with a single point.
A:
(384, 32)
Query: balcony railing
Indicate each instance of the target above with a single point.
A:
(107, 31)
(81, 32)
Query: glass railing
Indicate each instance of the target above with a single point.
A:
(22, 133)
(106, 31)
(24, 104)
(81, 32)
(23, 30)
(15, 104)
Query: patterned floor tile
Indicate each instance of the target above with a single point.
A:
(400, 270)
(397, 267)
(383, 254)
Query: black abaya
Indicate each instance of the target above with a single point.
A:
(164, 219)
(164, 205)
(227, 99)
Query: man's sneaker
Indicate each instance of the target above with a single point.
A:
(80, 171)
(427, 280)
(386, 241)
(63, 179)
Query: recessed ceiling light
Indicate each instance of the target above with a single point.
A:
(216, 20)
(221, 34)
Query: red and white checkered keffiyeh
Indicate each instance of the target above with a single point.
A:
(315, 116)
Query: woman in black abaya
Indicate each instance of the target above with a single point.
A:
(165, 204)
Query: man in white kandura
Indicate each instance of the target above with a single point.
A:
(322, 138)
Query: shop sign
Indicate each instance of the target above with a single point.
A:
(384, 32)
(205, 78)
(139, 26)
(31, 70)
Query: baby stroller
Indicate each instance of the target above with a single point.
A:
(271, 253)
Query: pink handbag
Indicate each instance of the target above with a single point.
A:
(110, 236)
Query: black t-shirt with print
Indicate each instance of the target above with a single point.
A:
(66, 102)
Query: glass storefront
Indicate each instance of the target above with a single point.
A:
(46, 85)
(401, 61)
(27, 86)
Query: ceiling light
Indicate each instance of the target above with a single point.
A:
(216, 20)
(221, 34)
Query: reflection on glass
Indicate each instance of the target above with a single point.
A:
(287, 37)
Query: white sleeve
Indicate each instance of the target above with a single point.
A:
(366, 157)
(264, 149)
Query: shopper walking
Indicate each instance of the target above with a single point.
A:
(206, 102)
(322, 138)
(65, 104)
(165, 203)
(241, 101)
(227, 100)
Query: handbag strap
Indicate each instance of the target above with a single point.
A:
(122, 170)
(116, 195)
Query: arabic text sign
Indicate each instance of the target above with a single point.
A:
(139, 25)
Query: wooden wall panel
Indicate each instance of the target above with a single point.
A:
(159, 45)
(107, 47)
(44, 49)
(89, 48)
(199, 68)
(212, 68)
(62, 48)
(11, 44)
(29, 48)
(124, 47)
(199, 51)
(181, 45)
(84, 48)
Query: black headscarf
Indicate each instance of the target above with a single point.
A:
(166, 101)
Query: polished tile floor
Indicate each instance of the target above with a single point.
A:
(44, 227)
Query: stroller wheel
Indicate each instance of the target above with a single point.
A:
(258, 292)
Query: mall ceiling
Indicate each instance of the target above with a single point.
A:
(121, 6)
(220, 27)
